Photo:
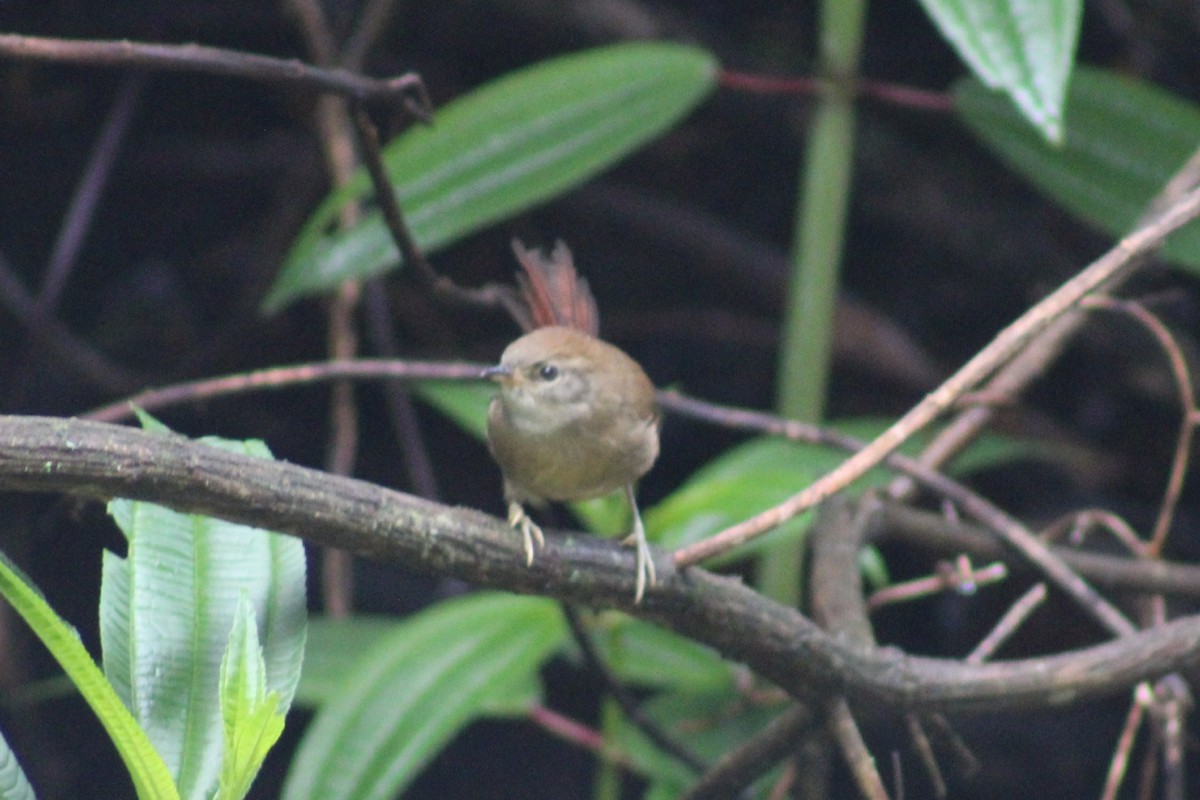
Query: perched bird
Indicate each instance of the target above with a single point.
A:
(574, 418)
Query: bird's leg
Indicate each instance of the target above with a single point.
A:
(645, 564)
(517, 518)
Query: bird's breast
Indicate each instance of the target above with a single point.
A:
(587, 457)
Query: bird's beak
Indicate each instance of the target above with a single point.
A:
(497, 373)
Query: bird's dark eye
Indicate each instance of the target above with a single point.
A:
(547, 372)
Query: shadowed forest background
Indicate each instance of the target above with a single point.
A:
(685, 245)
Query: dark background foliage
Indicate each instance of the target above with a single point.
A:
(684, 245)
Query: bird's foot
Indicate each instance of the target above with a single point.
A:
(530, 531)
(645, 564)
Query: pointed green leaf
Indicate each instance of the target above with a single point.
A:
(151, 779)
(1024, 47)
(251, 715)
(166, 613)
(416, 688)
(504, 147)
(1125, 140)
(255, 737)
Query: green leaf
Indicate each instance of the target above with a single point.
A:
(873, 568)
(151, 779)
(410, 693)
(652, 656)
(463, 402)
(166, 612)
(13, 783)
(747, 479)
(251, 715)
(509, 145)
(763, 472)
(1024, 47)
(332, 648)
(711, 723)
(1125, 140)
(335, 646)
(604, 516)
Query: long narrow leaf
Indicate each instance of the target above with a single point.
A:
(1125, 140)
(504, 147)
(151, 779)
(416, 688)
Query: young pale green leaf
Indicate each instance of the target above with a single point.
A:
(256, 735)
(151, 779)
(13, 783)
(1024, 47)
(504, 147)
(1125, 140)
(252, 719)
(410, 693)
(166, 613)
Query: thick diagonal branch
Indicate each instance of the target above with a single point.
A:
(100, 460)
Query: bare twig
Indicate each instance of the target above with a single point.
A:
(742, 765)
(1009, 528)
(924, 748)
(1077, 525)
(410, 438)
(372, 23)
(275, 378)
(845, 732)
(1118, 767)
(1109, 571)
(663, 740)
(489, 296)
(1008, 624)
(1173, 703)
(807, 86)
(942, 581)
(580, 735)
(837, 605)
(1007, 343)
(405, 90)
(81, 211)
(337, 568)
(72, 353)
(1187, 400)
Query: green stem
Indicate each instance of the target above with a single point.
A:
(825, 179)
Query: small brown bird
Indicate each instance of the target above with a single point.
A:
(574, 419)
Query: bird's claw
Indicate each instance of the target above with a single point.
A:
(645, 564)
(530, 530)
